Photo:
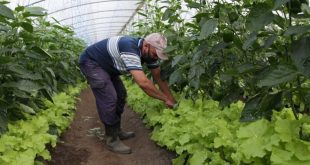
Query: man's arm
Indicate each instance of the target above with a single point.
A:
(149, 88)
(163, 85)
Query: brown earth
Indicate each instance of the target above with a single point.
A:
(82, 143)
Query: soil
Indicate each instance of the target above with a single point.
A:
(82, 143)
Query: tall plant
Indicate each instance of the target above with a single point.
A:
(252, 50)
(37, 58)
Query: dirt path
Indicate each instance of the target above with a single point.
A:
(80, 147)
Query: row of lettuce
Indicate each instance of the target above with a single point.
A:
(37, 59)
(27, 141)
(39, 81)
(201, 132)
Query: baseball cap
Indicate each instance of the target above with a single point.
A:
(159, 42)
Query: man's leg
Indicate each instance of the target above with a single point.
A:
(106, 101)
(120, 104)
(121, 94)
(103, 90)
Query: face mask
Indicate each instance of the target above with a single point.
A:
(147, 58)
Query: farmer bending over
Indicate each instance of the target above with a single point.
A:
(103, 62)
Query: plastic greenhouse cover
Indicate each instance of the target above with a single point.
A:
(92, 20)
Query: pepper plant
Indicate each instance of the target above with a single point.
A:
(37, 58)
(256, 51)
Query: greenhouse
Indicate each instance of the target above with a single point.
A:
(155, 82)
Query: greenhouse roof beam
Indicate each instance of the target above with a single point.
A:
(99, 19)
(98, 33)
(100, 28)
(132, 16)
(84, 4)
(104, 11)
(100, 23)
(34, 3)
(99, 36)
(97, 30)
(94, 32)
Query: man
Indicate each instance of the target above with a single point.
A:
(103, 62)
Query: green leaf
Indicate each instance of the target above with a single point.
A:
(63, 28)
(4, 59)
(41, 51)
(6, 12)
(26, 157)
(4, 2)
(65, 65)
(19, 8)
(191, 4)
(195, 83)
(24, 73)
(208, 28)
(24, 85)
(298, 147)
(301, 55)
(230, 97)
(4, 28)
(250, 40)
(167, 14)
(27, 26)
(270, 41)
(50, 70)
(279, 3)
(198, 55)
(196, 71)
(278, 20)
(259, 17)
(35, 11)
(280, 156)
(251, 106)
(268, 103)
(47, 94)
(256, 139)
(277, 75)
(140, 13)
(198, 157)
(176, 76)
(21, 94)
(170, 49)
(219, 47)
(246, 67)
(26, 108)
(299, 29)
(287, 129)
(176, 60)
(261, 107)
(45, 154)
(184, 139)
(34, 55)
(180, 160)
(237, 42)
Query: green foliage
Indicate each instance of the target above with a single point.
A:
(27, 139)
(37, 58)
(249, 49)
(201, 132)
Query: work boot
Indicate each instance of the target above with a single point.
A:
(122, 134)
(113, 142)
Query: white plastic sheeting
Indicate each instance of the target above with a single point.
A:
(92, 20)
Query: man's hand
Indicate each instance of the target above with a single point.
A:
(147, 86)
(170, 104)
